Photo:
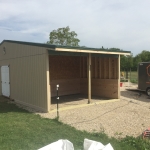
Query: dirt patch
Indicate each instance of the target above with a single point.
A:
(129, 116)
(74, 100)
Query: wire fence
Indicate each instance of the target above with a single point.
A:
(131, 76)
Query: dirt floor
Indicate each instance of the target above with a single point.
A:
(76, 100)
(128, 116)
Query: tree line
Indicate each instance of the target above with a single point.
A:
(131, 62)
(63, 36)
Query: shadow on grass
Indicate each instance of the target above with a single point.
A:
(6, 105)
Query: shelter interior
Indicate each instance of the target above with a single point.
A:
(71, 73)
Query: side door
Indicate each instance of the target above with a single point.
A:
(5, 81)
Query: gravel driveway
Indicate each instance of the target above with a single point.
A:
(129, 116)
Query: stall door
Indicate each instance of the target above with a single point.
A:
(5, 81)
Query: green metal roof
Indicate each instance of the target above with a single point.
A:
(53, 47)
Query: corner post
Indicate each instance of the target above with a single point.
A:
(89, 79)
(119, 77)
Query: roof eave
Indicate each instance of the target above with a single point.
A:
(91, 51)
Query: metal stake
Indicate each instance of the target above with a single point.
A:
(57, 86)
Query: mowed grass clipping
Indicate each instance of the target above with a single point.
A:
(21, 130)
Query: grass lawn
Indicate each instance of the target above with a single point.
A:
(21, 130)
(133, 76)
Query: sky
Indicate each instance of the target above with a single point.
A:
(123, 24)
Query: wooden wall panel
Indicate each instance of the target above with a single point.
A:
(92, 67)
(66, 86)
(96, 67)
(104, 76)
(100, 68)
(83, 67)
(105, 88)
(65, 71)
(64, 67)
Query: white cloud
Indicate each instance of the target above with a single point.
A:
(121, 24)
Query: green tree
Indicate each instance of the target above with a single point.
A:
(144, 56)
(63, 36)
(126, 62)
(115, 49)
(136, 60)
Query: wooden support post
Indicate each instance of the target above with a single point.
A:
(89, 79)
(118, 74)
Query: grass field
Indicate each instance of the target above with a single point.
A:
(132, 76)
(21, 130)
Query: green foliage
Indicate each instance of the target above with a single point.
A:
(63, 36)
(134, 81)
(132, 76)
(115, 49)
(144, 56)
(23, 130)
(130, 62)
(126, 62)
(138, 143)
(136, 61)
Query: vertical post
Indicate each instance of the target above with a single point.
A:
(118, 76)
(57, 86)
(89, 79)
(48, 81)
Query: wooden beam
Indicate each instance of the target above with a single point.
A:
(90, 51)
(89, 79)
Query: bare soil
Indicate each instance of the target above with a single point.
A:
(129, 116)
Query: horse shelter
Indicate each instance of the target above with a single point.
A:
(29, 72)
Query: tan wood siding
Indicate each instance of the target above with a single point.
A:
(28, 72)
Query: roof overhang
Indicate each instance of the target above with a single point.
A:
(93, 51)
(69, 49)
